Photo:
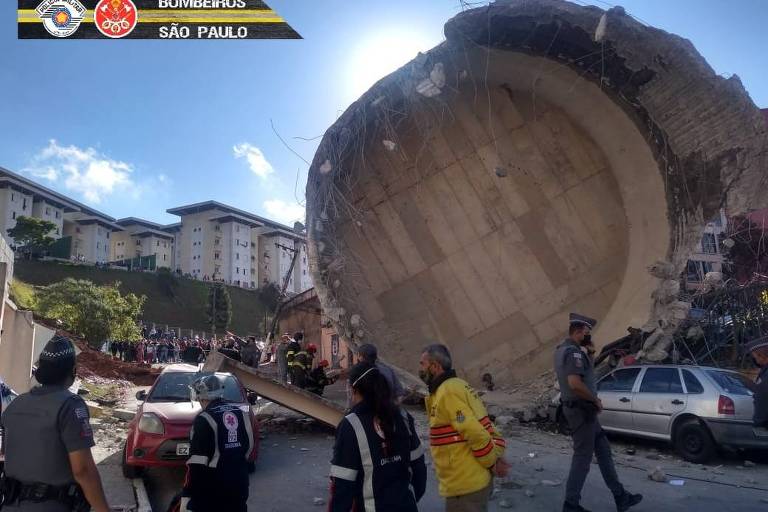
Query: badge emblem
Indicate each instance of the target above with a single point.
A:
(460, 417)
(230, 421)
(61, 18)
(115, 18)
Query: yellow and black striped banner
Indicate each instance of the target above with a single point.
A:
(151, 19)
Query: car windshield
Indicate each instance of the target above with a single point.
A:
(174, 387)
(733, 383)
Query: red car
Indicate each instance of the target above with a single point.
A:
(159, 433)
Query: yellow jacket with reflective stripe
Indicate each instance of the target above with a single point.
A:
(464, 442)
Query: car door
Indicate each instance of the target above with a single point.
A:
(615, 391)
(657, 401)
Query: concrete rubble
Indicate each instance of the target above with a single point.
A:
(546, 157)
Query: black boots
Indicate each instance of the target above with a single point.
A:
(627, 500)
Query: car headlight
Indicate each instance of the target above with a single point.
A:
(151, 424)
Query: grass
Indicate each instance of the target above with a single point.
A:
(183, 307)
(22, 294)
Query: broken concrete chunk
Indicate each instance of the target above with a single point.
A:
(657, 475)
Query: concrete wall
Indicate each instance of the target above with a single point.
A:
(480, 194)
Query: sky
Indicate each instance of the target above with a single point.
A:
(133, 128)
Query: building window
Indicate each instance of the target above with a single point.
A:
(709, 243)
(237, 270)
(47, 211)
(237, 228)
(216, 255)
(696, 270)
(57, 214)
(253, 245)
(237, 255)
(158, 243)
(57, 231)
(77, 230)
(138, 242)
(24, 204)
(14, 215)
(13, 196)
(98, 245)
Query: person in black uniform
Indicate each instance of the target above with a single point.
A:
(318, 379)
(378, 460)
(193, 354)
(581, 406)
(294, 347)
(759, 350)
(221, 442)
(48, 462)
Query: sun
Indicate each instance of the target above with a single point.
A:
(380, 54)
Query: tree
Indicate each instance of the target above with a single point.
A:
(167, 281)
(32, 234)
(95, 312)
(269, 296)
(219, 308)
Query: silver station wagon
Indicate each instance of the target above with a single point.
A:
(696, 408)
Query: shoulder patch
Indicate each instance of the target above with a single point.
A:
(460, 417)
(578, 359)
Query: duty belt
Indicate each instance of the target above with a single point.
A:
(14, 491)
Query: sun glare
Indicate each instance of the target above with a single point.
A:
(380, 54)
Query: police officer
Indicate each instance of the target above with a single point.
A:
(759, 350)
(378, 459)
(48, 462)
(221, 443)
(581, 406)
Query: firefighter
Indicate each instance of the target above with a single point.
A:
(294, 347)
(378, 460)
(48, 461)
(221, 443)
(302, 365)
(466, 447)
(317, 379)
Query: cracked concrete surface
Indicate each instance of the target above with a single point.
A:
(541, 160)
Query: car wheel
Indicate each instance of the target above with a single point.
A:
(694, 443)
(251, 467)
(129, 471)
(562, 422)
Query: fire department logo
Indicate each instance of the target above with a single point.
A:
(115, 18)
(61, 18)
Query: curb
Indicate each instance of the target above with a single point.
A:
(142, 500)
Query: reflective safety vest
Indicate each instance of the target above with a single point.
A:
(464, 442)
(293, 349)
(302, 360)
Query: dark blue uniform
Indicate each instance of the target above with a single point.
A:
(217, 469)
(369, 475)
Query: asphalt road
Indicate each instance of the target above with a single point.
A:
(292, 471)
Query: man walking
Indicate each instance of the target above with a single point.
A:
(466, 447)
(759, 350)
(581, 406)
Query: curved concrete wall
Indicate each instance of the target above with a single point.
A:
(516, 173)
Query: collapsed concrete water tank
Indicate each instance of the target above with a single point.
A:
(537, 162)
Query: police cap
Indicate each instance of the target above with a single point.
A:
(578, 319)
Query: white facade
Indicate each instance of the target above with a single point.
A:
(90, 240)
(45, 210)
(13, 204)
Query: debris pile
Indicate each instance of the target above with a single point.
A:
(93, 363)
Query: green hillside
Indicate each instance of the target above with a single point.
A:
(183, 307)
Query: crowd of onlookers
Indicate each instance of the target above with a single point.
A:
(164, 347)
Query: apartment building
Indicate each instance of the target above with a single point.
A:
(708, 255)
(88, 229)
(215, 241)
(142, 238)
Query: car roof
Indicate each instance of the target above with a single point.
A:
(190, 368)
(681, 366)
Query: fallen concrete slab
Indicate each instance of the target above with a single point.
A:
(541, 160)
(286, 395)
